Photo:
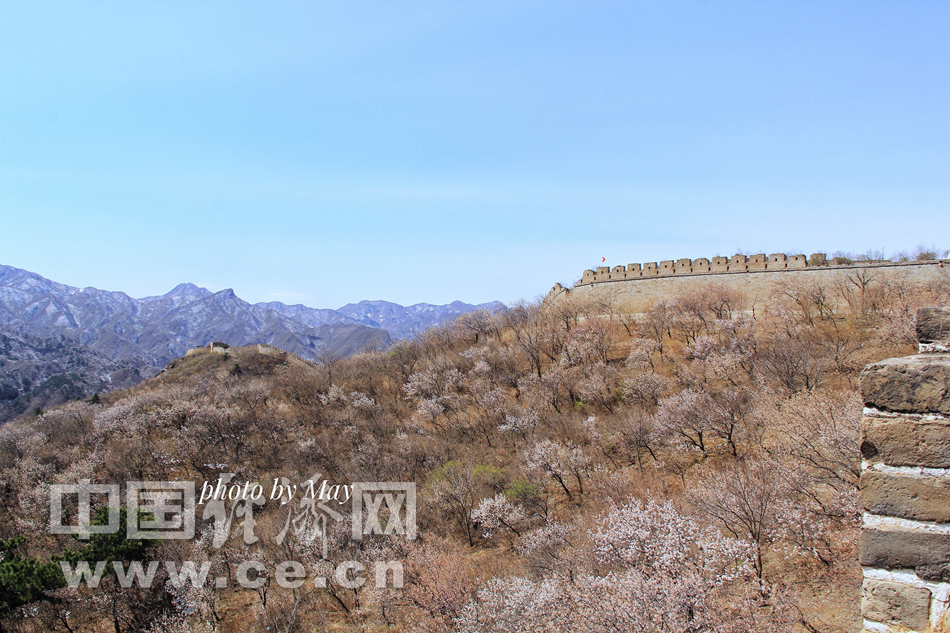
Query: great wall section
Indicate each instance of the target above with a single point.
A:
(904, 548)
(635, 287)
(905, 485)
(701, 266)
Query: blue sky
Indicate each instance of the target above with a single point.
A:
(327, 153)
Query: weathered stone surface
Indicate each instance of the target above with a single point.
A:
(917, 498)
(935, 573)
(903, 549)
(894, 603)
(906, 442)
(912, 384)
(933, 325)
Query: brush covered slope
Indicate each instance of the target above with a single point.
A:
(99, 333)
(693, 468)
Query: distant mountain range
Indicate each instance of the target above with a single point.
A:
(44, 323)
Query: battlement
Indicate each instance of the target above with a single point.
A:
(701, 266)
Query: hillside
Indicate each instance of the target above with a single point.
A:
(634, 288)
(202, 364)
(112, 327)
(40, 372)
(696, 469)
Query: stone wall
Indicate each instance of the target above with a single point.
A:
(905, 485)
(723, 265)
(701, 266)
(636, 294)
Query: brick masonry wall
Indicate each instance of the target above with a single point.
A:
(905, 485)
(701, 266)
(637, 295)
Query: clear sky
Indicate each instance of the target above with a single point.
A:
(325, 153)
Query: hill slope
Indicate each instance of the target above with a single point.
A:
(62, 342)
(44, 372)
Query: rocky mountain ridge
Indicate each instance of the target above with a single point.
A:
(149, 332)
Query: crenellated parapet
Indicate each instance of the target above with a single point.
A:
(701, 266)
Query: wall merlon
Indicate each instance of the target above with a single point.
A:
(758, 262)
(720, 265)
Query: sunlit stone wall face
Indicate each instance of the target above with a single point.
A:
(905, 484)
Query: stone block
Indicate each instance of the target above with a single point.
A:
(916, 498)
(934, 573)
(895, 603)
(901, 441)
(912, 384)
(933, 325)
(904, 549)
